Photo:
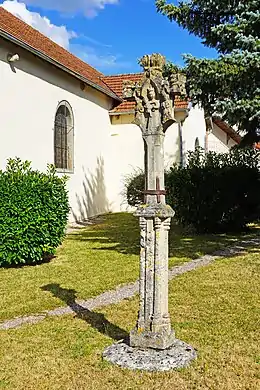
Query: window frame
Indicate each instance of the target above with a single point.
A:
(69, 137)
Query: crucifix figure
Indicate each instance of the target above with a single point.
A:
(154, 114)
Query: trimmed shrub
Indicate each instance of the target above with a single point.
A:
(133, 187)
(217, 192)
(214, 192)
(34, 211)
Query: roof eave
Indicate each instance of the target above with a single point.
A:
(229, 130)
(45, 57)
(121, 112)
(177, 109)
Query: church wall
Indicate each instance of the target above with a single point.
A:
(127, 151)
(218, 140)
(103, 153)
(126, 145)
(30, 94)
(172, 146)
(185, 131)
(193, 127)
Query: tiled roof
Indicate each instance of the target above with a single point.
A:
(12, 27)
(179, 103)
(227, 129)
(26, 34)
(116, 84)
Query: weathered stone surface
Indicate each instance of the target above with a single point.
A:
(155, 340)
(160, 210)
(179, 355)
(177, 82)
(154, 114)
(153, 327)
(19, 321)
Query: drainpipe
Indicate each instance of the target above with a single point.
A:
(209, 129)
(207, 141)
(181, 144)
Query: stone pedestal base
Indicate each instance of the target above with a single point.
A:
(153, 328)
(148, 339)
(179, 355)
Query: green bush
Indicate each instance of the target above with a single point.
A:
(34, 211)
(133, 187)
(214, 192)
(217, 192)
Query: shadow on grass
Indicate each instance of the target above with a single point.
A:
(45, 260)
(96, 320)
(120, 232)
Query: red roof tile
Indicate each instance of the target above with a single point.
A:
(26, 34)
(111, 85)
(179, 103)
(116, 84)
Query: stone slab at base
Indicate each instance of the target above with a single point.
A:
(160, 210)
(179, 355)
(151, 340)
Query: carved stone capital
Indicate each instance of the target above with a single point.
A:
(128, 89)
(153, 64)
(154, 111)
(178, 84)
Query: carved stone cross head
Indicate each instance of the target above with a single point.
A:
(154, 95)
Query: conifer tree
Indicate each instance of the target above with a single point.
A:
(228, 86)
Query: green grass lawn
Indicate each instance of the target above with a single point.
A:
(92, 260)
(215, 308)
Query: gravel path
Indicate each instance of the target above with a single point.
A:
(129, 290)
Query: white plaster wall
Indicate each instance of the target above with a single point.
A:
(125, 155)
(172, 146)
(126, 147)
(194, 127)
(218, 141)
(103, 153)
(126, 151)
(29, 96)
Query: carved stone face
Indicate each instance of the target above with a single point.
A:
(167, 104)
(138, 91)
(128, 89)
(151, 93)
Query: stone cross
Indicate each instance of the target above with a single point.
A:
(154, 113)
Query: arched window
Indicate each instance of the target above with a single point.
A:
(64, 138)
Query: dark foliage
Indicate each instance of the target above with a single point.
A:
(227, 86)
(214, 192)
(133, 188)
(33, 213)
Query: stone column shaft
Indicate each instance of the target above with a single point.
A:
(149, 273)
(142, 272)
(154, 164)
